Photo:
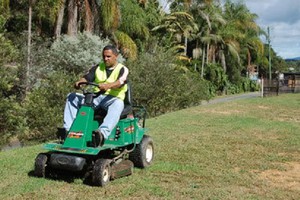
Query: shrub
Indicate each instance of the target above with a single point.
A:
(75, 54)
(216, 75)
(8, 51)
(54, 72)
(161, 88)
(45, 106)
(12, 120)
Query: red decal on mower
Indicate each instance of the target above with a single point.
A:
(129, 129)
(75, 135)
(83, 113)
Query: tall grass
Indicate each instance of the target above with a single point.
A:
(245, 149)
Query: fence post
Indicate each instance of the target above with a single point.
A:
(262, 87)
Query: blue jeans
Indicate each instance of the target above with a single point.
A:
(113, 105)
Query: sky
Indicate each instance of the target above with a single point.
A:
(283, 19)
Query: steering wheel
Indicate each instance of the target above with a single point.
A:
(88, 92)
(87, 89)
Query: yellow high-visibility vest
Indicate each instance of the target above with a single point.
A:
(101, 77)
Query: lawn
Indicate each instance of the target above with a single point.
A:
(244, 149)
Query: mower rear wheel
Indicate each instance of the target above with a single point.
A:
(143, 154)
(101, 172)
(40, 166)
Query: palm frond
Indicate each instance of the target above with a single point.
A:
(126, 44)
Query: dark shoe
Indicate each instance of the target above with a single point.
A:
(61, 134)
(98, 138)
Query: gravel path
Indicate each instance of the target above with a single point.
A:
(232, 98)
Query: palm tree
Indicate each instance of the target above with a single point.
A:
(134, 20)
(119, 20)
(246, 30)
(133, 24)
(178, 24)
(202, 16)
(110, 15)
(208, 18)
(126, 44)
(77, 11)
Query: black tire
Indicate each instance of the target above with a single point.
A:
(143, 154)
(101, 172)
(40, 166)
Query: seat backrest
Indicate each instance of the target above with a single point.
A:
(128, 95)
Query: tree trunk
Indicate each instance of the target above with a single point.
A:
(24, 76)
(59, 20)
(185, 45)
(207, 53)
(213, 53)
(223, 61)
(72, 17)
(203, 61)
(89, 18)
(249, 57)
(94, 8)
(28, 47)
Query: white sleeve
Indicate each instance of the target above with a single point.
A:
(123, 78)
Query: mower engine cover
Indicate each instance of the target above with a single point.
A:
(67, 162)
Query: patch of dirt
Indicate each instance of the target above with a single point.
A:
(263, 107)
(13, 143)
(229, 112)
(287, 179)
(291, 118)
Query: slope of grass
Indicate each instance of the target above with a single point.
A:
(246, 149)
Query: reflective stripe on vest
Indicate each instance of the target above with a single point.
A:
(100, 77)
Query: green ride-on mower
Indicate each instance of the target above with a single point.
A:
(78, 150)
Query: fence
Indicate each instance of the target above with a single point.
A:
(285, 83)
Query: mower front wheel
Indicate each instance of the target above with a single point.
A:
(101, 172)
(143, 154)
(40, 166)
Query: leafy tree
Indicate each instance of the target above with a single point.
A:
(278, 64)
(160, 87)
(8, 52)
(293, 65)
(4, 13)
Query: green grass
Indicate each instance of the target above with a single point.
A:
(245, 149)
